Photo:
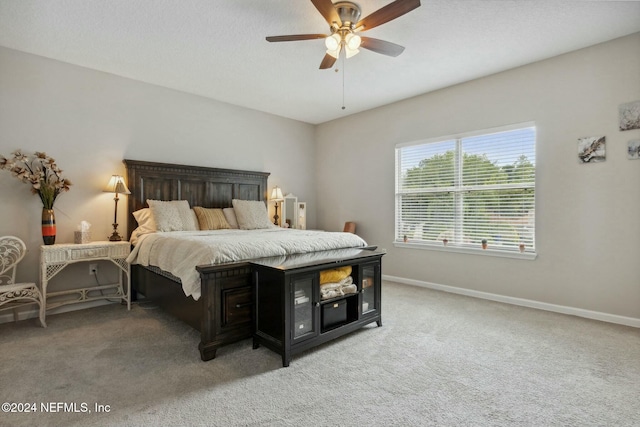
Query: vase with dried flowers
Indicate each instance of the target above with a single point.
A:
(46, 181)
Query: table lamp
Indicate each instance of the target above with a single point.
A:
(116, 185)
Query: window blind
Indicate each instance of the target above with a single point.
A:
(469, 190)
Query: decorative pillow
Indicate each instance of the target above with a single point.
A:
(172, 216)
(230, 216)
(211, 219)
(146, 223)
(251, 214)
(194, 220)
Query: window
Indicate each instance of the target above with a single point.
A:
(469, 192)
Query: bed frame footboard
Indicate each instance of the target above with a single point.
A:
(227, 306)
(222, 314)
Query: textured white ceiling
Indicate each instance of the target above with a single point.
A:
(217, 48)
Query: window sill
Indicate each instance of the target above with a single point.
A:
(470, 251)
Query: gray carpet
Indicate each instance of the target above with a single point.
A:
(439, 359)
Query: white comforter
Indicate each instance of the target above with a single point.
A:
(179, 252)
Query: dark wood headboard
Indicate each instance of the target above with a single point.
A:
(200, 186)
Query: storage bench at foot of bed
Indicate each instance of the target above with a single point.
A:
(292, 314)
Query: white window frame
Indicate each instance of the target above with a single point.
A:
(529, 254)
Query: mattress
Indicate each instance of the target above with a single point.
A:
(179, 252)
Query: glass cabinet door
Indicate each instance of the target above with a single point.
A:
(304, 319)
(370, 290)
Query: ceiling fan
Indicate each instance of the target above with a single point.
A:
(344, 21)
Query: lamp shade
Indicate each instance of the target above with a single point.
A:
(332, 42)
(334, 53)
(353, 41)
(276, 193)
(350, 52)
(116, 185)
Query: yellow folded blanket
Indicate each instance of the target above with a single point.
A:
(335, 274)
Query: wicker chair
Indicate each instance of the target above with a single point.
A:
(13, 295)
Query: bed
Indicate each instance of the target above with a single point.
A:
(212, 294)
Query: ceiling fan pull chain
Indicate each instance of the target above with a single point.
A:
(343, 60)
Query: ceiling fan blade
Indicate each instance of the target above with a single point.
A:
(381, 46)
(295, 37)
(328, 11)
(327, 62)
(387, 13)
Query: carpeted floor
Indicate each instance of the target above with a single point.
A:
(440, 359)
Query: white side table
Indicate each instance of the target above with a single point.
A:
(54, 258)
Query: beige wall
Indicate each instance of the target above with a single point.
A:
(588, 232)
(587, 229)
(89, 121)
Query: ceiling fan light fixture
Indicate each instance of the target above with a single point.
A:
(335, 52)
(353, 41)
(332, 42)
(344, 22)
(350, 52)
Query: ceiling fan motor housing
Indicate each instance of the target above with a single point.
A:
(348, 12)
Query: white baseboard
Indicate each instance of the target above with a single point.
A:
(595, 315)
(33, 313)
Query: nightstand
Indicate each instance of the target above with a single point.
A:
(54, 258)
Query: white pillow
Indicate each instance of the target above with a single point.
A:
(173, 216)
(194, 219)
(146, 223)
(251, 214)
(230, 216)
